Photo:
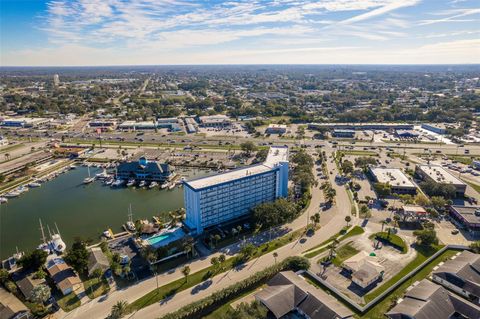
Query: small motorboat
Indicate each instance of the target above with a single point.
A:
(153, 185)
(12, 194)
(3, 200)
(142, 184)
(34, 184)
(164, 185)
(130, 182)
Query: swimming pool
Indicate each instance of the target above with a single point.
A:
(155, 240)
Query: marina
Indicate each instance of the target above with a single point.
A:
(81, 210)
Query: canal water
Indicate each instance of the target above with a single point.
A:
(80, 210)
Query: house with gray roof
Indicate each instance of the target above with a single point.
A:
(287, 292)
(145, 170)
(97, 260)
(427, 300)
(11, 307)
(461, 274)
(27, 283)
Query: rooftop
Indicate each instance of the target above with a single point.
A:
(470, 213)
(275, 155)
(440, 175)
(391, 176)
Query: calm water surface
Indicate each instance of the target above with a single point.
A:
(79, 210)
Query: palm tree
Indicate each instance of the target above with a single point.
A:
(315, 218)
(119, 309)
(348, 219)
(186, 272)
(275, 255)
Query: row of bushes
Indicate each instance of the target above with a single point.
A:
(204, 306)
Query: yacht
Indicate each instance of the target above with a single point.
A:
(89, 179)
(131, 182)
(164, 185)
(34, 184)
(3, 200)
(153, 184)
(12, 194)
(103, 175)
(141, 184)
(108, 234)
(57, 243)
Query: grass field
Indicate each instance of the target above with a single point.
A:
(68, 302)
(358, 153)
(357, 230)
(95, 287)
(343, 253)
(391, 239)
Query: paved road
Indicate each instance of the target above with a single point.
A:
(331, 224)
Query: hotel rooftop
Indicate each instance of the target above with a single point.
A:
(276, 154)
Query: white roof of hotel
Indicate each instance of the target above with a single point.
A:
(275, 155)
(440, 175)
(391, 176)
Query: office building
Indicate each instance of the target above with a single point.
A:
(467, 216)
(276, 129)
(439, 175)
(56, 80)
(398, 181)
(219, 199)
(145, 170)
(461, 274)
(343, 133)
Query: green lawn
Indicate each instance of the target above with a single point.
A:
(476, 187)
(68, 302)
(204, 274)
(392, 239)
(359, 153)
(312, 252)
(386, 304)
(95, 287)
(423, 254)
(343, 253)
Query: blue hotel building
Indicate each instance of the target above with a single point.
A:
(221, 198)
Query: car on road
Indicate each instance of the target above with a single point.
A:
(455, 232)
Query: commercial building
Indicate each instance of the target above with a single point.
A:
(439, 175)
(276, 129)
(145, 170)
(361, 126)
(406, 134)
(343, 133)
(429, 300)
(467, 216)
(149, 125)
(170, 123)
(287, 295)
(461, 274)
(24, 122)
(435, 128)
(63, 276)
(414, 211)
(364, 268)
(214, 120)
(221, 198)
(398, 181)
(191, 125)
(11, 307)
(103, 123)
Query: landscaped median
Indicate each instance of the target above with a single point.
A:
(194, 279)
(342, 235)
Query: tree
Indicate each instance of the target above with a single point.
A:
(426, 237)
(275, 255)
(254, 310)
(348, 219)
(365, 211)
(215, 262)
(40, 274)
(347, 167)
(248, 147)
(97, 273)
(422, 200)
(33, 260)
(475, 247)
(222, 258)
(248, 250)
(364, 161)
(4, 275)
(119, 309)
(315, 218)
(186, 272)
(438, 202)
(382, 189)
(40, 294)
(297, 263)
(77, 256)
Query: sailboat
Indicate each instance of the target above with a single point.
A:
(44, 245)
(130, 224)
(89, 179)
(57, 243)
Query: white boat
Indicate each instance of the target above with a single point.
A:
(131, 182)
(12, 194)
(34, 185)
(171, 186)
(57, 243)
(153, 184)
(102, 175)
(22, 189)
(3, 200)
(108, 182)
(108, 234)
(164, 185)
(117, 183)
(89, 179)
(131, 226)
(141, 184)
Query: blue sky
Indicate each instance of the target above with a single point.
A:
(140, 32)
